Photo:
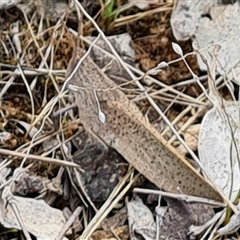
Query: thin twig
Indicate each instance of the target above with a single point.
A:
(39, 158)
(182, 197)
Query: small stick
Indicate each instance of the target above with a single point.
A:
(182, 197)
(39, 158)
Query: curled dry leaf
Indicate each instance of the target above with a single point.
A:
(186, 17)
(220, 28)
(218, 147)
(140, 219)
(39, 219)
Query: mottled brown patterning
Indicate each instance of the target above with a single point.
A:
(127, 131)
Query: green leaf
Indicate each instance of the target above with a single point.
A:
(109, 4)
